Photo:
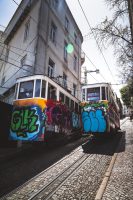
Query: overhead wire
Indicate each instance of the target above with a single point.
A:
(69, 34)
(32, 52)
(16, 61)
(17, 48)
(95, 38)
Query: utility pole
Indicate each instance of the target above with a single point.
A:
(89, 71)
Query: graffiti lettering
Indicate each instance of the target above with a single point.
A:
(58, 115)
(94, 121)
(24, 121)
(75, 120)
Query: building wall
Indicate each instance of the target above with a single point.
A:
(27, 48)
(39, 48)
(55, 51)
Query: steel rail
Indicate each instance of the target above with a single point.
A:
(55, 184)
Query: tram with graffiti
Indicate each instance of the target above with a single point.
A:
(43, 109)
(99, 109)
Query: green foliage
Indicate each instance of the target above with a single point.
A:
(116, 32)
(126, 95)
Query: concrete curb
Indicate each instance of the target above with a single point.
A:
(107, 175)
(104, 183)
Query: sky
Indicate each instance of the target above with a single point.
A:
(96, 11)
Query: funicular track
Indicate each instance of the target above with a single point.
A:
(55, 175)
(45, 184)
(51, 188)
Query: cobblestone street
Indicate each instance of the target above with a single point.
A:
(120, 185)
(79, 175)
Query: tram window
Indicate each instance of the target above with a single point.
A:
(37, 88)
(72, 104)
(93, 94)
(26, 90)
(107, 93)
(103, 93)
(43, 88)
(67, 101)
(16, 89)
(51, 92)
(62, 97)
(79, 109)
(76, 107)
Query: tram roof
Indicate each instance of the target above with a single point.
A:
(96, 85)
(30, 77)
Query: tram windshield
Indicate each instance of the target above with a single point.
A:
(26, 90)
(93, 94)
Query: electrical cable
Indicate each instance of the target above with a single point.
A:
(28, 45)
(69, 34)
(95, 38)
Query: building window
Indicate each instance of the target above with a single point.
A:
(51, 68)
(23, 61)
(27, 28)
(66, 24)
(53, 32)
(75, 38)
(64, 80)
(74, 89)
(75, 63)
(65, 51)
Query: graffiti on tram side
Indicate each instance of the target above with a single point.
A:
(94, 121)
(75, 120)
(31, 119)
(86, 106)
(25, 119)
(94, 117)
(60, 118)
(26, 123)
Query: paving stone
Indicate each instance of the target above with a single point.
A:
(120, 185)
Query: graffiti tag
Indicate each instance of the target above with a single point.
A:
(24, 121)
(94, 121)
(75, 120)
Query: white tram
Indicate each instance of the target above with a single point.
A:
(100, 111)
(42, 108)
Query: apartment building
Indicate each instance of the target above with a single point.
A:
(42, 38)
